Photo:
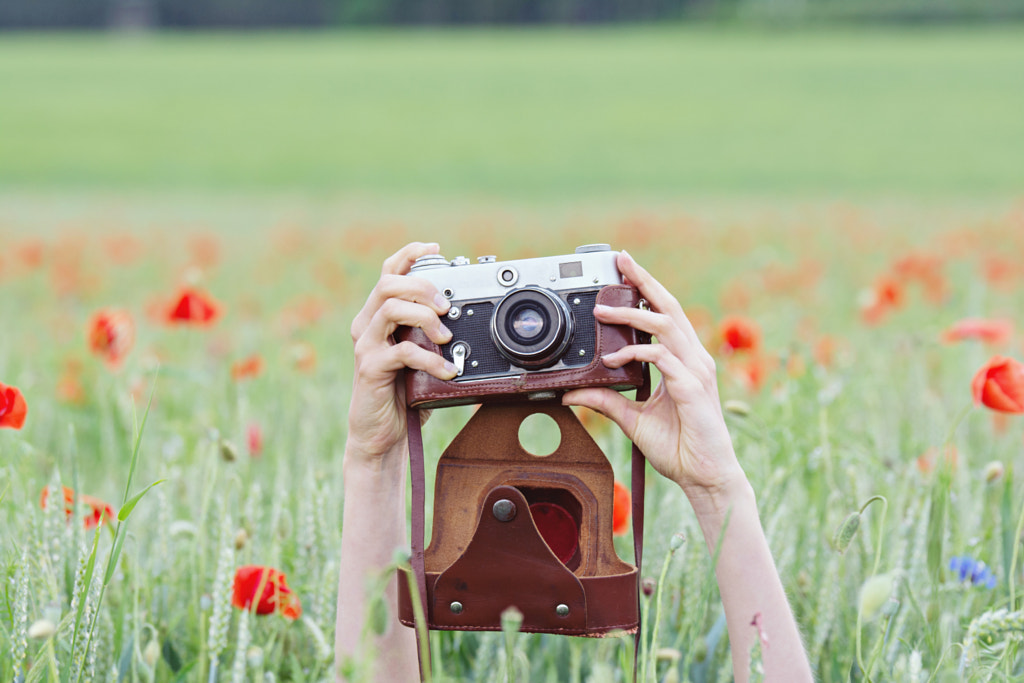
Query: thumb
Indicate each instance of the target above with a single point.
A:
(609, 403)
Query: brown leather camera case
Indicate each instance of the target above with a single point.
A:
(480, 562)
(426, 391)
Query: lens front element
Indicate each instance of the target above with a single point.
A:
(527, 323)
(532, 327)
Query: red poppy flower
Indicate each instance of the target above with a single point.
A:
(111, 334)
(982, 329)
(247, 368)
(267, 588)
(999, 384)
(889, 292)
(192, 307)
(254, 435)
(739, 334)
(12, 407)
(621, 509)
(98, 509)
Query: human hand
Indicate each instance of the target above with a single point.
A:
(376, 417)
(680, 428)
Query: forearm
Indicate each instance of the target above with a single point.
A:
(750, 585)
(373, 526)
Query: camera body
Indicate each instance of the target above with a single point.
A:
(525, 327)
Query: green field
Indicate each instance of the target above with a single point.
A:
(664, 112)
(783, 177)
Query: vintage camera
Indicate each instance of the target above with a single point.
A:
(525, 327)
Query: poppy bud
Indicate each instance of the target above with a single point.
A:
(993, 472)
(676, 542)
(42, 629)
(511, 620)
(228, 452)
(874, 594)
(647, 586)
(700, 650)
(846, 531)
(737, 407)
(152, 653)
(378, 617)
(254, 656)
(241, 538)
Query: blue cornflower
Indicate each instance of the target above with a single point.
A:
(975, 571)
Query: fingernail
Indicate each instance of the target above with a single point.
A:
(445, 332)
(441, 302)
(450, 368)
(601, 308)
(626, 254)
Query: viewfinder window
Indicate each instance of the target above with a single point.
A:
(570, 269)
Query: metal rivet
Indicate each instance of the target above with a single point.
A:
(562, 610)
(553, 278)
(469, 311)
(454, 312)
(583, 352)
(456, 607)
(474, 364)
(504, 510)
(576, 301)
(596, 280)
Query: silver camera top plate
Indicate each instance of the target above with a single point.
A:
(592, 265)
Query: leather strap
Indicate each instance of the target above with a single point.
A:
(637, 482)
(414, 429)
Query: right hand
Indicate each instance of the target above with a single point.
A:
(376, 417)
(680, 428)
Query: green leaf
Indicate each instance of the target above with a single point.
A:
(127, 508)
(115, 553)
(1008, 521)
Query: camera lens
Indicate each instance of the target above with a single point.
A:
(532, 327)
(527, 323)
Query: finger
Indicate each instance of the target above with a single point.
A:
(396, 312)
(415, 289)
(668, 364)
(656, 294)
(661, 325)
(609, 403)
(401, 261)
(408, 355)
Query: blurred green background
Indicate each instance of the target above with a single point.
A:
(664, 111)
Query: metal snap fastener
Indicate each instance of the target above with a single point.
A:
(504, 510)
(456, 607)
(562, 610)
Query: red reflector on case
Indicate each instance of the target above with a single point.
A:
(557, 528)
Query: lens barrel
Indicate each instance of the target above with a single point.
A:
(532, 327)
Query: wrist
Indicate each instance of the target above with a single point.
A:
(367, 463)
(712, 503)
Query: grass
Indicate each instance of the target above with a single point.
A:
(522, 114)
